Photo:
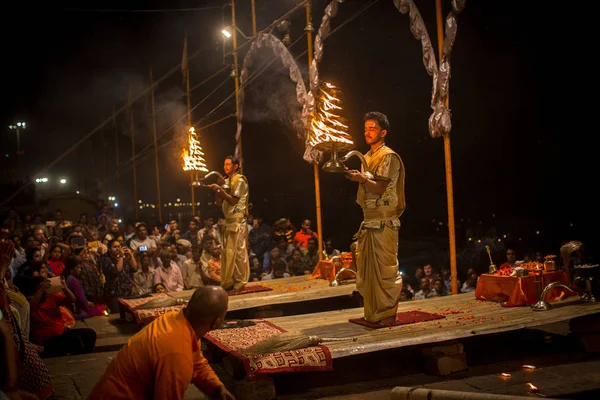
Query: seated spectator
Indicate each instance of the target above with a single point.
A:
(330, 250)
(255, 269)
(83, 307)
(213, 267)
(283, 229)
(439, 287)
(278, 271)
(430, 273)
(298, 264)
(305, 233)
(405, 295)
(118, 266)
(91, 279)
(143, 278)
(312, 253)
(56, 258)
(192, 270)
(47, 324)
(274, 258)
(168, 273)
(470, 284)
(419, 274)
(425, 291)
(159, 288)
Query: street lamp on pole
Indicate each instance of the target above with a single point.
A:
(17, 127)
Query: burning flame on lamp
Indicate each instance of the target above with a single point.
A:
(329, 130)
(193, 157)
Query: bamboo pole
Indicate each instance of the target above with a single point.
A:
(104, 167)
(114, 118)
(309, 31)
(132, 131)
(253, 18)
(189, 118)
(448, 163)
(236, 77)
(160, 219)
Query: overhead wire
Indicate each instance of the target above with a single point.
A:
(169, 73)
(254, 76)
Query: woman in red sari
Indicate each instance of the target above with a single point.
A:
(34, 376)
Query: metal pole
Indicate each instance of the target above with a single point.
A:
(132, 131)
(189, 118)
(117, 155)
(236, 76)
(448, 158)
(155, 148)
(309, 30)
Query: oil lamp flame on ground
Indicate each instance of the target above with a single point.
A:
(193, 156)
(329, 131)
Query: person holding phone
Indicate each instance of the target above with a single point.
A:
(47, 322)
(118, 266)
(142, 240)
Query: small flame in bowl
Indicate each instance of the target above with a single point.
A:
(505, 375)
(533, 388)
(530, 367)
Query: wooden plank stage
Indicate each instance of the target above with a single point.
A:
(286, 290)
(465, 317)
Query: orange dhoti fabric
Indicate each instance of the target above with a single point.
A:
(513, 291)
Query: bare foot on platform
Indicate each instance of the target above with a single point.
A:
(387, 321)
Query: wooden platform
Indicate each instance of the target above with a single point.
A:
(285, 290)
(465, 317)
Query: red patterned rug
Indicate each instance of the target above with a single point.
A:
(250, 289)
(147, 315)
(235, 340)
(402, 318)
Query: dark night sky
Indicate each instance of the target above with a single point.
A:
(521, 140)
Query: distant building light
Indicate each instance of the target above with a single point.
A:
(571, 224)
(141, 207)
(504, 236)
(139, 201)
(470, 239)
(63, 181)
(178, 200)
(77, 192)
(537, 232)
(120, 220)
(499, 240)
(169, 204)
(116, 204)
(478, 240)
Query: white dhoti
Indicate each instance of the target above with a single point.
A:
(235, 269)
(378, 279)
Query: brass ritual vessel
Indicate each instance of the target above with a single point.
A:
(336, 164)
(550, 263)
(492, 268)
(335, 281)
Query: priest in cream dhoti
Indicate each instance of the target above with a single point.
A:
(233, 197)
(381, 197)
